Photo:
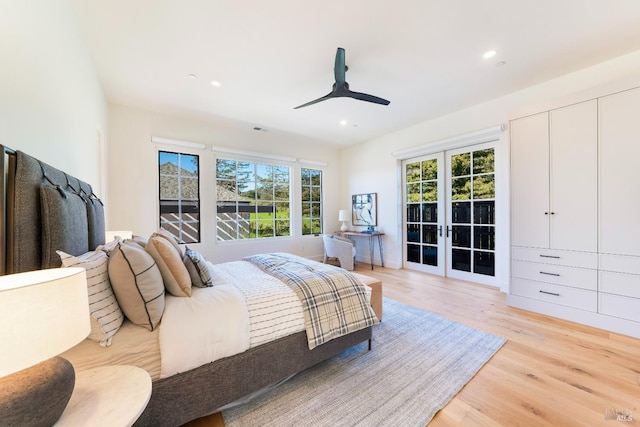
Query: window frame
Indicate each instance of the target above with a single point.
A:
(256, 201)
(196, 202)
(311, 201)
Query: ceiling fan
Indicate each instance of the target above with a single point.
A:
(341, 87)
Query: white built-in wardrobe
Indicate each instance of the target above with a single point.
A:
(575, 212)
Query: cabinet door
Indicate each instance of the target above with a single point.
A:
(530, 181)
(573, 205)
(619, 164)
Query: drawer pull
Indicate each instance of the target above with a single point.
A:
(549, 274)
(550, 293)
(550, 256)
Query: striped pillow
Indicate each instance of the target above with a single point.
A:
(106, 316)
(197, 268)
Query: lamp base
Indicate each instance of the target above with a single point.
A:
(36, 396)
(343, 227)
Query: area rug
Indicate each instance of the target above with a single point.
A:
(418, 363)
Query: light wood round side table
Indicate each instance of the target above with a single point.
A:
(107, 396)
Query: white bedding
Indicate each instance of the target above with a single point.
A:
(213, 323)
(243, 309)
(274, 308)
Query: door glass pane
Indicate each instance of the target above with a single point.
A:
(430, 234)
(461, 164)
(461, 236)
(413, 172)
(413, 233)
(413, 212)
(413, 253)
(429, 169)
(413, 192)
(483, 161)
(430, 191)
(430, 255)
(429, 212)
(484, 238)
(461, 189)
(461, 260)
(461, 212)
(484, 212)
(484, 187)
(484, 263)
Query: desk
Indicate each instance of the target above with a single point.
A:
(107, 396)
(371, 237)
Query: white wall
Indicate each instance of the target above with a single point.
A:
(51, 102)
(133, 176)
(380, 173)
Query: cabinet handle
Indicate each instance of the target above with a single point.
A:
(449, 229)
(550, 256)
(550, 274)
(550, 293)
(546, 213)
(440, 230)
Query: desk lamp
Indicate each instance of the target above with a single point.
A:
(343, 215)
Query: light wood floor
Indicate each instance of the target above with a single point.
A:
(550, 372)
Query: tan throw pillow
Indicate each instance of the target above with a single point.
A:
(197, 267)
(106, 316)
(170, 238)
(138, 285)
(174, 273)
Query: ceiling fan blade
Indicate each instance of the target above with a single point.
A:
(315, 101)
(341, 87)
(340, 68)
(366, 97)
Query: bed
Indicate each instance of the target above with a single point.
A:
(40, 225)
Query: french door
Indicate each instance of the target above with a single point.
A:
(449, 218)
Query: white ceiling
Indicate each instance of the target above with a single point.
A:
(425, 56)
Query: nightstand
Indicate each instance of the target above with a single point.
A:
(107, 396)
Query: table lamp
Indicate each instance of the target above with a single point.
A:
(43, 313)
(343, 215)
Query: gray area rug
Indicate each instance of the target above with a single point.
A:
(418, 363)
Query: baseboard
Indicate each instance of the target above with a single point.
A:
(596, 320)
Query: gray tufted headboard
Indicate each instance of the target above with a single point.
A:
(43, 210)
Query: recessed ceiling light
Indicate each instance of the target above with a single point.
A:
(216, 83)
(192, 76)
(343, 122)
(489, 54)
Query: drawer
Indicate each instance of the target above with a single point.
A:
(618, 306)
(556, 294)
(583, 278)
(620, 263)
(620, 284)
(556, 257)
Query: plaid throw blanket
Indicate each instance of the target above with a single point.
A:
(334, 301)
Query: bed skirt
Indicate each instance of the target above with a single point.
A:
(181, 398)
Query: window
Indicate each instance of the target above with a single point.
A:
(180, 195)
(311, 201)
(253, 200)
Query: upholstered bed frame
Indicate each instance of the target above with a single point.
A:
(44, 209)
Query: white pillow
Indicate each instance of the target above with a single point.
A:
(105, 313)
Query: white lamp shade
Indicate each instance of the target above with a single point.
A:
(343, 215)
(44, 313)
